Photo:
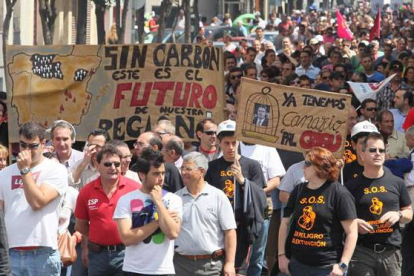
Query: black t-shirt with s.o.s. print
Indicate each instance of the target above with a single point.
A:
(374, 197)
(317, 215)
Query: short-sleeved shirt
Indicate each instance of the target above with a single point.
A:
(293, 177)
(154, 255)
(94, 206)
(205, 218)
(270, 163)
(374, 198)
(352, 170)
(317, 216)
(219, 174)
(25, 226)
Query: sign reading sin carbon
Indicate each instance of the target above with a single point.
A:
(292, 118)
(124, 89)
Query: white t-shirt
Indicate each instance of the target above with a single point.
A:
(267, 157)
(68, 207)
(155, 254)
(26, 227)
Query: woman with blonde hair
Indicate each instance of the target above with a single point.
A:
(315, 219)
(112, 37)
(4, 154)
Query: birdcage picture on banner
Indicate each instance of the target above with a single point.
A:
(261, 118)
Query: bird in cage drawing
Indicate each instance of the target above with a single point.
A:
(261, 118)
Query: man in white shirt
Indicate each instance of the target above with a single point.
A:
(207, 241)
(306, 67)
(31, 195)
(63, 136)
(149, 219)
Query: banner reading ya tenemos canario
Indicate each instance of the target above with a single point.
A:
(124, 89)
(292, 118)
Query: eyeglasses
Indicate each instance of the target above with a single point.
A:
(210, 133)
(308, 163)
(371, 109)
(235, 77)
(374, 150)
(187, 169)
(30, 146)
(109, 164)
(325, 78)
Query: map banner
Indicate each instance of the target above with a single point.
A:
(124, 89)
(292, 118)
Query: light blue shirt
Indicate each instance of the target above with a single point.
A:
(399, 119)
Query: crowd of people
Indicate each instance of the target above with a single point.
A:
(221, 206)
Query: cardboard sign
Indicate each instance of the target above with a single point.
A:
(292, 118)
(124, 89)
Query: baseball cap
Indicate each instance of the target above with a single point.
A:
(314, 41)
(363, 127)
(319, 38)
(226, 126)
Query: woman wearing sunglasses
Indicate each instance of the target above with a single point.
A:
(318, 213)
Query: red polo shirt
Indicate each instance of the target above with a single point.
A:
(94, 206)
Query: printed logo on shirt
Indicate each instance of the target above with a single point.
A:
(17, 181)
(307, 219)
(376, 207)
(144, 213)
(92, 203)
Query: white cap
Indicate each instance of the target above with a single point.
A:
(227, 125)
(319, 38)
(363, 127)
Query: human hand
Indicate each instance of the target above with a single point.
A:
(336, 271)
(284, 264)
(228, 269)
(156, 194)
(85, 260)
(174, 216)
(24, 159)
(237, 170)
(390, 218)
(364, 227)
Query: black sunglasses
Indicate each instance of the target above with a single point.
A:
(109, 164)
(210, 133)
(24, 145)
(308, 163)
(372, 109)
(374, 150)
(235, 77)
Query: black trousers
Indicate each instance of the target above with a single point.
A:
(407, 250)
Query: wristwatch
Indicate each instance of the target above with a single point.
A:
(25, 171)
(343, 266)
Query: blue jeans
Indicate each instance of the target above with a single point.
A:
(77, 268)
(258, 251)
(37, 262)
(106, 263)
(298, 269)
